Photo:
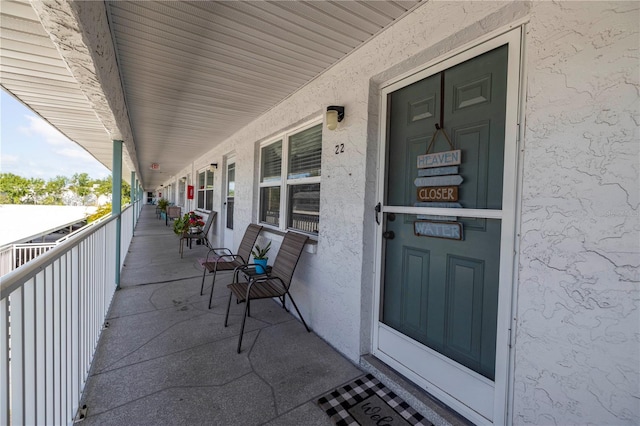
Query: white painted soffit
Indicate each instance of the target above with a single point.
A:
(194, 73)
(33, 71)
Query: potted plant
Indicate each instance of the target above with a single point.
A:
(181, 224)
(260, 257)
(162, 204)
(194, 222)
(162, 208)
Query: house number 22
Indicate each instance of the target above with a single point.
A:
(340, 148)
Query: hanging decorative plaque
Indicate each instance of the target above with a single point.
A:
(437, 184)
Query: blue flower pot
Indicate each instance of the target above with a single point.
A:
(261, 265)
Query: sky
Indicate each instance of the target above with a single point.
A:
(32, 148)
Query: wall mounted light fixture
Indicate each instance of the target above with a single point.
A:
(335, 114)
(213, 166)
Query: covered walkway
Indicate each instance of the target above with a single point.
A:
(164, 358)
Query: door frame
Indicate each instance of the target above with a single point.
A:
(508, 256)
(228, 159)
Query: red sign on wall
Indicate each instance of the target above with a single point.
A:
(190, 192)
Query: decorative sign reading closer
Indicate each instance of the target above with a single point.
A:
(439, 159)
(438, 193)
(448, 230)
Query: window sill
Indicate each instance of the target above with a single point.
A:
(277, 235)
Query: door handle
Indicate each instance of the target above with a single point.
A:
(377, 208)
(388, 235)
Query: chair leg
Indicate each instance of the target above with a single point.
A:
(282, 300)
(204, 274)
(244, 319)
(298, 311)
(226, 317)
(213, 281)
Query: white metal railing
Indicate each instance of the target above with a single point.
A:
(13, 256)
(51, 314)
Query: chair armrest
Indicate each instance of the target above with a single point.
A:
(226, 252)
(229, 258)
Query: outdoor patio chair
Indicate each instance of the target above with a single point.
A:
(274, 283)
(223, 259)
(188, 237)
(173, 212)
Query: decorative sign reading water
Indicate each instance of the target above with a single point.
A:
(448, 230)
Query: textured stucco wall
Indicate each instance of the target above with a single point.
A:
(578, 336)
(333, 287)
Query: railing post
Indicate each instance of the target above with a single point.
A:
(116, 201)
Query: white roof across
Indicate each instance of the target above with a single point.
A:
(21, 223)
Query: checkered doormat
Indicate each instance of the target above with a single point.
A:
(366, 401)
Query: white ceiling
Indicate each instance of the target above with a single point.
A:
(193, 73)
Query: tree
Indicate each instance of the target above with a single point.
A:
(105, 186)
(13, 188)
(102, 211)
(54, 189)
(35, 191)
(126, 193)
(81, 186)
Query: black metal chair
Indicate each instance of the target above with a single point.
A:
(223, 259)
(202, 235)
(275, 283)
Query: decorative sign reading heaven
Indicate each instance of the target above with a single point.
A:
(440, 159)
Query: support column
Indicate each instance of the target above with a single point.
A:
(116, 200)
(134, 203)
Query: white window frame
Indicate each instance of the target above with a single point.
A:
(284, 183)
(204, 190)
(182, 189)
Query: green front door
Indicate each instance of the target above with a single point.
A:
(440, 290)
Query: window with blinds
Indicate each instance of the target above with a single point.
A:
(271, 162)
(305, 152)
(290, 169)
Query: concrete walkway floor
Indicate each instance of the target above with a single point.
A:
(165, 359)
